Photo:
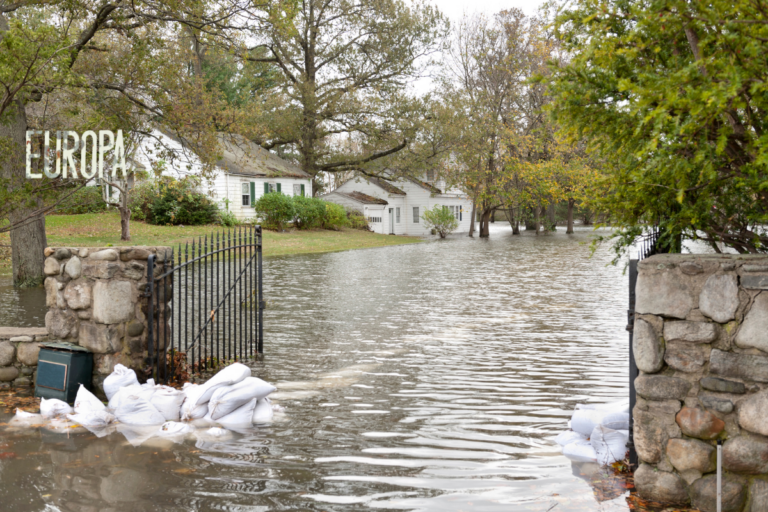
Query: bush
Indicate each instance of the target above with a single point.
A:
(142, 196)
(85, 200)
(179, 202)
(308, 211)
(275, 210)
(227, 218)
(335, 216)
(357, 220)
(440, 219)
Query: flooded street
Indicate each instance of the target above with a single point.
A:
(425, 377)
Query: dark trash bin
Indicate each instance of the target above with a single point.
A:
(61, 368)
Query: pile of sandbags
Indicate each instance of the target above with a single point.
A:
(597, 433)
(231, 398)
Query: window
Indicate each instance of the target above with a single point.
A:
(270, 187)
(415, 214)
(246, 194)
(374, 219)
(397, 215)
(431, 175)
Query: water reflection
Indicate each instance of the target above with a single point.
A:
(421, 377)
(21, 308)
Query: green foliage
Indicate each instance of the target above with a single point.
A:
(85, 200)
(440, 219)
(357, 220)
(309, 212)
(335, 216)
(179, 202)
(228, 219)
(671, 94)
(275, 210)
(140, 200)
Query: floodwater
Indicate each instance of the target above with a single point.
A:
(426, 377)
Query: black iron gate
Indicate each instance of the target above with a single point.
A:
(205, 304)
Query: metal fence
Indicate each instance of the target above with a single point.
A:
(205, 304)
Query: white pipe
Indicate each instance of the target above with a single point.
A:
(719, 476)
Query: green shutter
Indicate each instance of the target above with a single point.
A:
(266, 188)
(302, 190)
(278, 188)
(253, 193)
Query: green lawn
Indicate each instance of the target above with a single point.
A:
(102, 229)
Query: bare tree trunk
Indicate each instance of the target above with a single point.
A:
(472, 220)
(513, 221)
(531, 222)
(27, 239)
(551, 219)
(569, 228)
(125, 226)
(485, 226)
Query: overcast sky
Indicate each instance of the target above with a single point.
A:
(454, 9)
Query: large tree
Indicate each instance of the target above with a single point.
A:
(344, 68)
(672, 95)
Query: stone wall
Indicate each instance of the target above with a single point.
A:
(95, 299)
(18, 355)
(701, 345)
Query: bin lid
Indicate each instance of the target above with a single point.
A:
(64, 345)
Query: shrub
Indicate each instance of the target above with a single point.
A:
(227, 218)
(179, 202)
(309, 212)
(357, 220)
(140, 200)
(85, 200)
(275, 210)
(440, 219)
(335, 216)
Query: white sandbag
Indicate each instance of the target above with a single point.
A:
(53, 407)
(580, 451)
(135, 390)
(26, 419)
(616, 421)
(584, 421)
(85, 401)
(174, 429)
(568, 437)
(228, 376)
(119, 378)
(92, 419)
(263, 412)
(135, 410)
(189, 408)
(136, 435)
(240, 417)
(609, 445)
(168, 402)
(228, 398)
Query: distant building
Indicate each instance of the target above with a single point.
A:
(396, 207)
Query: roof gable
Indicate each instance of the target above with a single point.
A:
(387, 186)
(241, 156)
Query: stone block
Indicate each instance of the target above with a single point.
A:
(51, 267)
(691, 268)
(739, 366)
(704, 493)
(723, 385)
(100, 270)
(8, 374)
(21, 339)
(112, 302)
(647, 347)
(661, 294)
(48, 251)
(752, 333)
(685, 454)
(758, 496)
(721, 405)
(746, 454)
(78, 294)
(136, 253)
(100, 338)
(104, 364)
(84, 314)
(7, 352)
(135, 328)
(134, 270)
(686, 357)
(74, 268)
(27, 353)
(83, 252)
(104, 255)
(753, 413)
(690, 332)
(660, 486)
(719, 299)
(754, 282)
(699, 423)
(661, 387)
(650, 435)
(22, 381)
(61, 323)
(62, 253)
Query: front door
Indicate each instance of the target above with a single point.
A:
(391, 221)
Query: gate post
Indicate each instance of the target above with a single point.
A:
(632, 365)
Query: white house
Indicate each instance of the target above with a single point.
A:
(374, 209)
(406, 201)
(244, 172)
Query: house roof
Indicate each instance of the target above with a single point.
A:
(386, 186)
(423, 184)
(362, 198)
(241, 156)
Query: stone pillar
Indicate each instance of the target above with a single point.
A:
(701, 345)
(95, 298)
